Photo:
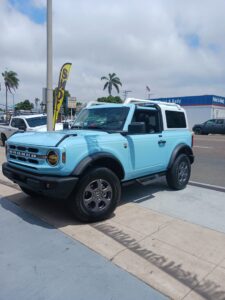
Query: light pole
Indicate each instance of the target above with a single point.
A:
(49, 68)
(13, 105)
(126, 93)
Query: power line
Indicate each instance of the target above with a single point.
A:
(125, 93)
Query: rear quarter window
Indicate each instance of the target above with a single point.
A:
(175, 119)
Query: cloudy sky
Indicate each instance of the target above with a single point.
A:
(176, 47)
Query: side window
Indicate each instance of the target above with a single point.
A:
(13, 123)
(219, 122)
(175, 119)
(210, 122)
(21, 123)
(150, 118)
(17, 123)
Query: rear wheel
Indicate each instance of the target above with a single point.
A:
(4, 139)
(178, 175)
(198, 131)
(96, 195)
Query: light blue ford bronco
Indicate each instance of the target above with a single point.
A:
(108, 145)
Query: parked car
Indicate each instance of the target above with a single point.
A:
(108, 145)
(210, 126)
(36, 122)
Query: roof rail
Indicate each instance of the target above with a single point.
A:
(139, 101)
(92, 103)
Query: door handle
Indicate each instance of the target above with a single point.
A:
(161, 142)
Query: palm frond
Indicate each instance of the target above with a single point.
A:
(117, 82)
(105, 86)
(104, 78)
(112, 75)
(116, 87)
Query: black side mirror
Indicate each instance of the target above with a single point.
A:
(65, 125)
(22, 127)
(137, 128)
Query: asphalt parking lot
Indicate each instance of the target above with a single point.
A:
(161, 240)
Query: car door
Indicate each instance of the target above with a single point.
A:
(147, 150)
(13, 127)
(219, 128)
(210, 126)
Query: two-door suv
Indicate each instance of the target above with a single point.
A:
(109, 144)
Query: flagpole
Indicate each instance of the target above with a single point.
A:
(49, 68)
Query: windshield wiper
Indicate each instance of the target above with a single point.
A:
(94, 127)
(76, 127)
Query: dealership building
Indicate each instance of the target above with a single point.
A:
(200, 108)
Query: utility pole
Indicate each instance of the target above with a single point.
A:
(126, 93)
(49, 68)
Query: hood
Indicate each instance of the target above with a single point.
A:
(49, 139)
(58, 126)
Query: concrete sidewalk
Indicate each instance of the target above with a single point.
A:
(40, 262)
(180, 259)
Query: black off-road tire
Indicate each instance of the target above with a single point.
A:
(96, 195)
(178, 175)
(29, 192)
(198, 131)
(4, 139)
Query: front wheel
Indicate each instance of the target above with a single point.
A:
(4, 139)
(178, 175)
(96, 195)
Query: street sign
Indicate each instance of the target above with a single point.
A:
(72, 102)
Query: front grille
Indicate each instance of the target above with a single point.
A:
(25, 154)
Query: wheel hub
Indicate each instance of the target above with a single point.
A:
(97, 195)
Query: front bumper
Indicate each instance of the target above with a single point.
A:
(49, 186)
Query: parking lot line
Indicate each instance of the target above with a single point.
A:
(203, 147)
(207, 186)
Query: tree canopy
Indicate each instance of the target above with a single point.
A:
(11, 83)
(110, 99)
(111, 81)
(24, 105)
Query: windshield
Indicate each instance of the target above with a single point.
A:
(37, 121)
(108, 119)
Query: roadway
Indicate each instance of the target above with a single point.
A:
(209, 165)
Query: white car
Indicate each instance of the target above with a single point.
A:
(26, 123)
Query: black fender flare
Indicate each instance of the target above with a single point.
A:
(100, 156)
(181, 148)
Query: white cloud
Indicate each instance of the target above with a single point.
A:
(143, 42)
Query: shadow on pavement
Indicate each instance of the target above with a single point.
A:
(56, 212)
(208, 289)
(8, 205)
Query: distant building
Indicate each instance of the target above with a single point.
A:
(200, 108)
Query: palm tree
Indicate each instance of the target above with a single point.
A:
(112, 81)
(11, 83)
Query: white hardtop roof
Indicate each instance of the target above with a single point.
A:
(163, 105)
(160, 103)
(30, 116)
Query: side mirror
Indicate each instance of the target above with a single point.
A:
(22, 127)
(137, 128)
(66, 125)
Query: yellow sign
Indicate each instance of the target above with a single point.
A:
(63, 76)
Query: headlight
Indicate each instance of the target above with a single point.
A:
(52, 158)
